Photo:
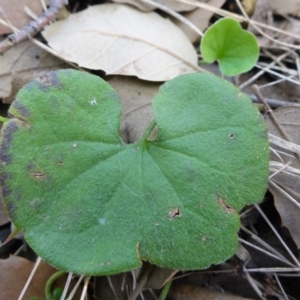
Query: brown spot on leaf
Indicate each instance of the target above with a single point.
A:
(38, 175)
(174, 212)
(48, 80)
(227, 208)
(21, 122)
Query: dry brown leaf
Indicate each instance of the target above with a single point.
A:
(289, 213)
(172, 4)
(136, 98)
(15, 272)
(122, 40)
(15, 14)
(159, 277)
(287, 179)
(200, 18)
(264, 13)
(291, 7)
(22, 63)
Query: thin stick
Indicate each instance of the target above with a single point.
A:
(284, 193)
(142, 283)
(269, 110)
(261, 72)
(67, 285)
(272, 270)
(272, 102)
(254, 285)
(277, 74)
(175, 15)
(75, 287)
(38, 261)
(278, 236)
(84, 290)
(112, 287)
(280, 286)
(266, 252)
(262, 242)
(33, 28)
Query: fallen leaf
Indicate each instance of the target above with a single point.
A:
(15, 272)
(200, 18)
(287, 177)
(291, 7)
(159, 277)
(264, 13)
(15, 14)
(122, 40)
(171, 4)
(136, 98)
(21, 64)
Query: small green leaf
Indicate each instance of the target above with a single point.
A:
(236, 49)
(90, 204)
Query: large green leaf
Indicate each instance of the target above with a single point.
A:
(236, 50)
(90, 204)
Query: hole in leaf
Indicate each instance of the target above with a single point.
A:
(227, 208)
(38, 175)
(174, 212)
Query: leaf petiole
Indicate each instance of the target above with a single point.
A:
(50, 281)
(147, 132)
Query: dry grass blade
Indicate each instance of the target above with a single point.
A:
(266, 252)
(284, 144)
(272, 270)
(30, 278)
(67, 285)
(254, 285)
(175, 15)
(260, 73)
(75, 288)
(280, 286)
(84, 291)
(278, 236)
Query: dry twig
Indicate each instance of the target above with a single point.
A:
(33, 28)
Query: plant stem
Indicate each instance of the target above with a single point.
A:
(147, 132)
(49, 283)
(165, 290)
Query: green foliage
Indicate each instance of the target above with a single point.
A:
(236, 49)
(90, 204)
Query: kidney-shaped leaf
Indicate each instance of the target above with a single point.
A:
(90, 204)
(236, 49)
(122, 40)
